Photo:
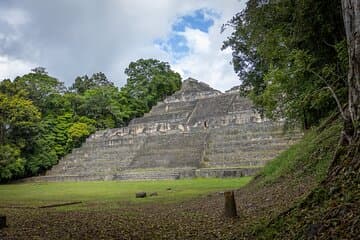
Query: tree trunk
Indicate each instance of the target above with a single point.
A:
(2, 221)
(230, 206)
(351, 15)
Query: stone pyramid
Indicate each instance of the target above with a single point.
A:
(198, 131)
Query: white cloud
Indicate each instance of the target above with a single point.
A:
(11, 68)
(72, 38)
(14, 16)
(205, 61)
(198, 41)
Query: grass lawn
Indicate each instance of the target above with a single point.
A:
(37, 194)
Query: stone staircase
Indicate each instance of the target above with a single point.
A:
(208, 108)
(170, 150)
(197, 132)
(252, 144)
(99, 158)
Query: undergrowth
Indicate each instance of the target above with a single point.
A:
(311, 156)
(332, 209)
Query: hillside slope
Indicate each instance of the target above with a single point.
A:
(331, 210)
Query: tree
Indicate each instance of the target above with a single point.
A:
(84, 83)
(11, 163)
(79, 131)
(39, 71)
(81, 84)
(102, 104)
(41, 157)
(10, 89)
(351, 15)
(40, 88)
(150, 81)
(288, 54)
(18, 121)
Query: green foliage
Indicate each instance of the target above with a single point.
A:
(11, 163)
(287, 53)
(18, 119)
(330, 208)
(40, 88)
(312, 155)
(84, 83)
(42, 158)
(103, 105)
(78, 132)
(150, 81)
(56, 130)
(40, 121)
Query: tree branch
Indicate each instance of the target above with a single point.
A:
(332, 93)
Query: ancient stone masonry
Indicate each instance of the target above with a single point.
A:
(198, 131)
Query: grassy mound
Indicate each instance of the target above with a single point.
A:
(332, 209)
(311, 156)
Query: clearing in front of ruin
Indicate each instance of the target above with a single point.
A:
(39, 194)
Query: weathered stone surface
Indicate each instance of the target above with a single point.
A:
(198, 131)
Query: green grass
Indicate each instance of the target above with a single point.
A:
(331, 204)
(36, 194)
(311, 155)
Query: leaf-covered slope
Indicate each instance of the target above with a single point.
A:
(331, 210)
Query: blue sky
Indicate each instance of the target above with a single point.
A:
(201, 19)
(84, 37)
(175, 43)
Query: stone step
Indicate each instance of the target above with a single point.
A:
(238, 148)
(141, 175)
(147, 175)
(247, 163)
(172, 108)
(240, 104)
(241, 156)
(167, 160)
(171, 117)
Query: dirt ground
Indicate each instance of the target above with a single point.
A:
(200, 218)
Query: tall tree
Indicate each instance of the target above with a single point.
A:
(351, 15)
(151, 80)
(288, 54)
(18, 121)
(84, 83)
(40, 88)
(103, 105)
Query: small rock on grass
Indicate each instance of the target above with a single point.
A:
(140, 194)
(153, 194)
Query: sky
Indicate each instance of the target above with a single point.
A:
(73, 38)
